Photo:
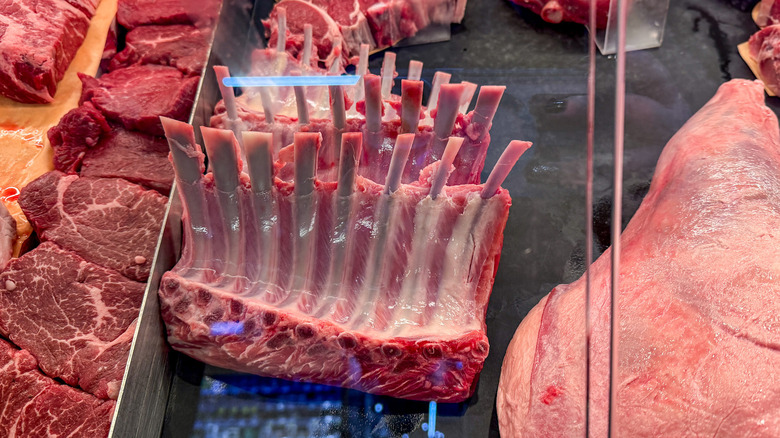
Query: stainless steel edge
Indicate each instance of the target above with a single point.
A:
(143, 396)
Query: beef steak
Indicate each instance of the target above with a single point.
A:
(699, 298)
(107, 221)
(137, 96)
(133, 13)
(78, 130)
(75, 317)
(38, 40)
(182, 46)
(36, 406)
(134, 156)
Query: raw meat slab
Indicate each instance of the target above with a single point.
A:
(78, 131)
(107, 221)
(85, 143)
(38, 40)
(36, 406)
(133, 156)
(381, 288)
(137, 96)
(182, 46)
(75, 317)
(133, 13)
(699, 298)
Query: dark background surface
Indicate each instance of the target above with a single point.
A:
(545, 70)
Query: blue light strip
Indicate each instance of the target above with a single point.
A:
(289, 81)
(432, 419)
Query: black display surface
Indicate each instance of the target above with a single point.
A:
(545, 70)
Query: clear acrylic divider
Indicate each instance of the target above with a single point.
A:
(644, 27)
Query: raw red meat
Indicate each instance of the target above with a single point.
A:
(85, 143)
(379, 24)
(7, 235)
(764, 47)
(137, 96)
(578, 11)
(38, 40)
(327, 39)
(699, 285)
(36, 406)
(75, 317)
(768, 13)
(134, 156)
(367, 283)
(107, 221)
(182, 46)
(78, 131)
(133, 13)
(351, 20)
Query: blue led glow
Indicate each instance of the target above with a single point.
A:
(378, 408)
(432, 419)
(289, 81)
(227, 328)
(425, 426)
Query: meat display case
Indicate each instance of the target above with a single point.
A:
(544, 68)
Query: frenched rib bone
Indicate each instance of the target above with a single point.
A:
(352, 246)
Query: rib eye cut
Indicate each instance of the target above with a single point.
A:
(38, 40)
(34, 405)
(380, 287)
(699, 299)
(182, 46)
(137, 96)
(75, 317)
(107, 221)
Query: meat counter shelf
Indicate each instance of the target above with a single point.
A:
(545, 70)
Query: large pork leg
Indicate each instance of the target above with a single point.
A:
(699, 299)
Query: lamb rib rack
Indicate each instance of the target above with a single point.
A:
(343, 258)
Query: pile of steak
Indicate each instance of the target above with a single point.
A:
(699, 299)
(344, 25)
(38, 40)
(72, 303)
(37, 405)
(357, 250)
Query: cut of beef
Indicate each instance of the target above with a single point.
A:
(699, 293)
(768, 13)
(38, 40)
(75, 317)
(7, 235)
(381, 287)
(137, 96)
(109, 222)
(133, 13)
(78, 130)
(85, 143)
(182, 46)
(36, 406)
(136, 157)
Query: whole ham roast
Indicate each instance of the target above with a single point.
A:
(699, 349)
